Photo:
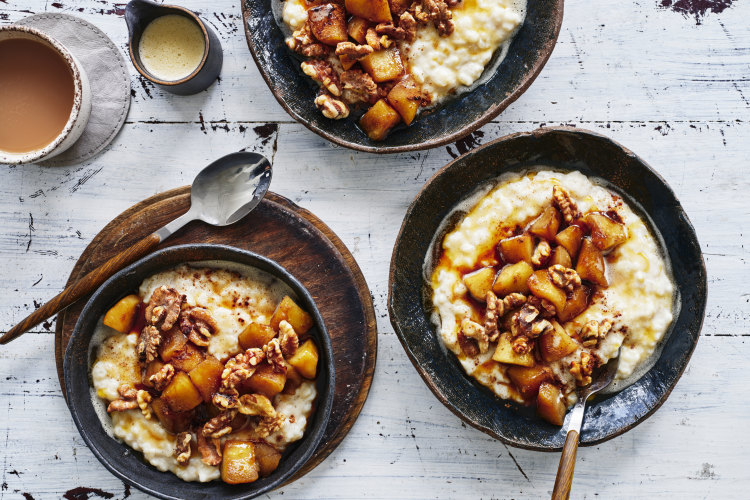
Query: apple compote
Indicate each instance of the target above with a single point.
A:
(542, 280)
(208, 371)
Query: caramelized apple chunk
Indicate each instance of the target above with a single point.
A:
(517, 248)
(256, 335)
(206, 377)
(265, 381)
(239, 464)
(187, 358)
(305, 360)
(512, 278)
(480, 282)
(268, 458)
(377, 11)
(328, 23)
(357, 29)
(570, 239)
(383, 65)
(541, 286)
(504, 353)
(556, 344)
(575, 304)
(550, 405)
(590, 264)
(528, 379)
(122, 315)
(379, 119)
(406, 97)
(561, 257)
(605, 232)
(289, 311)
(181, 394)
(172, 343)
(546, 225)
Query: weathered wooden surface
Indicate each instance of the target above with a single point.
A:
(674, 91)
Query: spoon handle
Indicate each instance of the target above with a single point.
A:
(564, 479)
(84, 286)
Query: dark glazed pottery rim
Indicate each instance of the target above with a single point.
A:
(607, 417)
(123, 461)
(192, 15)
(495, 109)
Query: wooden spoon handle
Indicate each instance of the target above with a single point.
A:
(564, 479)
(84, 286)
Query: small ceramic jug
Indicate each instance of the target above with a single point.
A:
(139, 13)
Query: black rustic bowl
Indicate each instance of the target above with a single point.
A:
(123, 461)
(562, 149)
(457, 117)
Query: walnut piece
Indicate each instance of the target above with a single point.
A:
(438, 12)
(377, 42)
(394, 32)
(592, 332)
(565, 203)
(322, 72)
(490, 316)
(330, 107)
(182, 447)
(143, 398)
(148, 344)
(226, 401)
(219, 425)
(546, 308)
(288, 339)
(198, 325)
(240, 368)
(477, 332)
(256, 404)
(358, 86)
(127, 401)
(274, 356)
(164, 307)
(303, 43)
(210, 450)
(564, 277)
(581, 370)
(353, 50)
(541, 253)
(161, 379)
(269, 425)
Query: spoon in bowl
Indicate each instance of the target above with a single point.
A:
(222, 193)
(601, 379)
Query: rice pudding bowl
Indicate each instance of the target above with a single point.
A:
(544, 278)
(208, 370)
(397, 57)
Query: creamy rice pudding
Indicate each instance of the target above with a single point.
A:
(543, 280)
(397, 56)
(209, 371)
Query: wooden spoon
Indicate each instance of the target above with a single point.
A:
(602, 378)
(222, 193)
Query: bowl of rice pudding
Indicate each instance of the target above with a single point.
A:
(394, 75)
(527, 263)
(201, 371)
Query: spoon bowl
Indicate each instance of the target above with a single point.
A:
(229, 188)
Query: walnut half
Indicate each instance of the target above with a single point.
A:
(331, 108)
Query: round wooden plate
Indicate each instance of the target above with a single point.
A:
(297, 240)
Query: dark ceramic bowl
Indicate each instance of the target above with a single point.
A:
(123, 461)
(457, 117)
(562, 149)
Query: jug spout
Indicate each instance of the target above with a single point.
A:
(138, 12)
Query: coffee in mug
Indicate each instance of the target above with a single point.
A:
(37, 91)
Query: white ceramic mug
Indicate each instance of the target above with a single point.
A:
(79, 114)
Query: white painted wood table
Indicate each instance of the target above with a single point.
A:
(673, 87)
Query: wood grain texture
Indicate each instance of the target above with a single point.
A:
(675, 92)
(298, 241)
(564, 478)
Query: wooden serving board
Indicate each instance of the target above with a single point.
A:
(297, 240)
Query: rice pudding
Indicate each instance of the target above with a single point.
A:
(396, 57)
(208, 371)
(543, 279)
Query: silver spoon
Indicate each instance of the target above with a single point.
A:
(601, 379)
(222, 193)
